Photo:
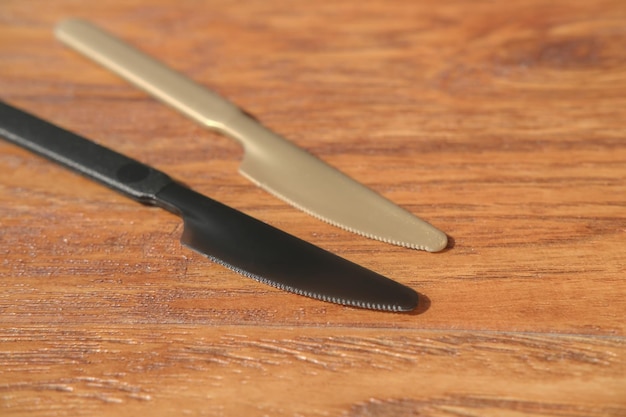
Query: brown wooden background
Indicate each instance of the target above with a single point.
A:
(503, 123)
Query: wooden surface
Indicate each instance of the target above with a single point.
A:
(502, 123)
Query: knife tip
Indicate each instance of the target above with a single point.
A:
(410, 301)
(400, 300)
(437, 243)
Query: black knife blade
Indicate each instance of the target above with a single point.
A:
(223, 234)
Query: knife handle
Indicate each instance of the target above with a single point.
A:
(174, 89)
(132, 178)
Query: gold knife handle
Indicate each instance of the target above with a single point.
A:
(167, 85)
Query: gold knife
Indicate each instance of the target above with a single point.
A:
(270, 161)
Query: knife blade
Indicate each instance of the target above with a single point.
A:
(270, 161)
(223, 234)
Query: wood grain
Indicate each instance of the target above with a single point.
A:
(501, 123)
(230, 370)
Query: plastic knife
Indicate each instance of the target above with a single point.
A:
(225, 235)
(269, 160)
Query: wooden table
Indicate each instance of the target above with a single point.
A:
(502, 123)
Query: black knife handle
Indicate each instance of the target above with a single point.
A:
(121, 173)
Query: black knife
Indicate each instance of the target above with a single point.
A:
(223, 234)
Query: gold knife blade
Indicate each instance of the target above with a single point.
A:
(270, 161)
